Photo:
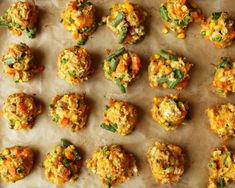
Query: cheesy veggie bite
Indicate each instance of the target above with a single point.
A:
(19, 63)
(222, 120)
(167, 162)
(178, 14)
(79, 19)
(21, 17)
(63, 163)
(15, 163)
(169, 111)
(122, 67)
(224, 76)
(126, 20)
(74, 65)
(120, 117)
(168, 70)
(20, 110)
(69, 110)
(113, 165)
(221, 167)
(219, 29)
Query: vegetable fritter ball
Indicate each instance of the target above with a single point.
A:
(74, 65)
(79, 19)
(169, 111)
(178, 14)
(63, 163)
(69, 110)
(167, 162)
(220, 29)
(126, 20)
(120, 117)
(20, 110)
(222, 120)
(113, 165)
(15, 163)
(19, 63)
(224, 77)
(168, 70)
(221, 167)
(122, 67)
(21, 17)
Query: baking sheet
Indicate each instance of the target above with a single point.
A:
(194, 137)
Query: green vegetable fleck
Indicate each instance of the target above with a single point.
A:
(178, 75)
(72, 73)
(121, 86)
(162, 79)
(118, 19)
(66, 162)
(110, 127)
(164, 13)
(221, 182)
(101, 23)
(167, 55)
(51, 106)
(203, 33)
(64, 61)
(113, 64)
(85, 29)
(122, 35)
(31, 32)
(56, 118)
(105, 150)
(218, 39)
(71, 20)
(65, 142)
(116, 53)
(225, 62)
(216, 15)
(9, 61)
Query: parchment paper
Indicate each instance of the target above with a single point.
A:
(194, 137)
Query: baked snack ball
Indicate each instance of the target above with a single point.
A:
(169, 111)
(20, 110)
(224, 77)
(63, 163)
(122, 67)
(120, 117)
(219, 29)
(168, 70)
(126, 20)
(69, 110)
(178, 14)
(74, 65)
(113, 165)
(15, 163)
(222, 120)
(19, 63)
(21, 17)
(221, 167)
(79, 19)
(167, 162)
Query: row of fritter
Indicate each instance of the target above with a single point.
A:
(71, 110)
(126, 20)
(166, 68)
(112, 164)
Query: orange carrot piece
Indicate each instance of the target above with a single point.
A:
(65, 122)
(12, 170)
(135, 63)
(121, 67)
(22, 106)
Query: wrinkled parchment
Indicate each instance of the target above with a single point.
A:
(194, 137)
